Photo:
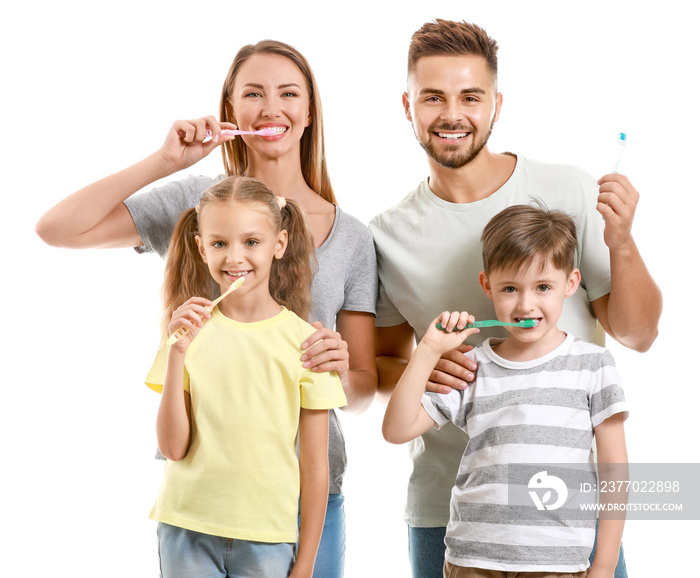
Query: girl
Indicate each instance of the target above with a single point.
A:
(232, 485)
(269, 84)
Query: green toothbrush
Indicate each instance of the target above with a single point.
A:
(495, 323)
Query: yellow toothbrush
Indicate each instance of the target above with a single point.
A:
(182, 331)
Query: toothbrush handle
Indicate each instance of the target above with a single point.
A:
(484, 323)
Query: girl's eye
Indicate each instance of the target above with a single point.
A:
(251, 242)
(218, 244)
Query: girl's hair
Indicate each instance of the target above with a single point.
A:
(313, 156)
(522, 234)
(186, 274)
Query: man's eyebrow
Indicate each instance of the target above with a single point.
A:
(474, 90)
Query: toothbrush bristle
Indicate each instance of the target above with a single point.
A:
(528, 322)
(623, 137)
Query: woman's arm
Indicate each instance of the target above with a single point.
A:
(313, 475)
(350, 352)
(95, 216)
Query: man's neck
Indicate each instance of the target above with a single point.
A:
(476, 180)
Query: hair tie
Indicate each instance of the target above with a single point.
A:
(281, 202)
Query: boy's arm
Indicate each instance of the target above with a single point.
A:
(405, 418)
(313, 474)
(611, 448)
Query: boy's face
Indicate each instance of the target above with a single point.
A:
(531, 292)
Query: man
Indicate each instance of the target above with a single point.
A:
(428, 249)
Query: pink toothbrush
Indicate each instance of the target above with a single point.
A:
(262, 132)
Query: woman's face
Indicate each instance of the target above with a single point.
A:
(270, 92)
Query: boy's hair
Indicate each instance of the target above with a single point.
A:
(313, 156)
(522, 234)
(186, 274)
(449, 38)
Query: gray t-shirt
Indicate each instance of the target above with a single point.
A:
(346, 278)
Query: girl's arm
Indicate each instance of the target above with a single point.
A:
(611, 449)
(313, 474)
(95, 216)
(350, 352)
(173, 428)
(405, 418)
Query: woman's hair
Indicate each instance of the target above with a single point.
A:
(187, 275)
(313, 156)
(449, 38)
(523, 234)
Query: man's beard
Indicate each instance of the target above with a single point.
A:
(457, 158)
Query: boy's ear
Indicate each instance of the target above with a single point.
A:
(485, 285)
(200, 247)
(573, 283)
(281, 245)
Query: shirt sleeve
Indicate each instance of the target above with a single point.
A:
(446, 407)
(321, 390)
(606, 397)
(361, 276)
(156, 212)
(156, 376)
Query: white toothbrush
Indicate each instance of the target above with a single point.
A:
(182, 331)
(622, 141)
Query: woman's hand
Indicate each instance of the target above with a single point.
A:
(184, 145)
(191, 314)
(326, 351)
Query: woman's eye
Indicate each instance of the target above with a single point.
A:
(289, 94)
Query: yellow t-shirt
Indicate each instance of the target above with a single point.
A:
(240, 477)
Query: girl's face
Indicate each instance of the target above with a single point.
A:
(270, 92)
(238, 240)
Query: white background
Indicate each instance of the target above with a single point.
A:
(91, 88)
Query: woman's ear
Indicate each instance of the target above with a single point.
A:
(485, 285)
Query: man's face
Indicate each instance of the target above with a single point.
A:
(453, 104)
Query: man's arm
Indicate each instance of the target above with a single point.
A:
(630, 313)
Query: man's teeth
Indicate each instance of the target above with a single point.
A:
(452, 135)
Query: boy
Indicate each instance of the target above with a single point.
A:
(539, 396)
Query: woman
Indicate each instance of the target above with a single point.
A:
(269, 84)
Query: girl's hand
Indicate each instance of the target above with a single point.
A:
(184, 144)
(191, 314)
(330, 353)
(452, 335)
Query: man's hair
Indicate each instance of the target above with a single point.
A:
(449, 38)
(523, 234)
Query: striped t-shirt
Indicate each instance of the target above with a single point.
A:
(541, 411)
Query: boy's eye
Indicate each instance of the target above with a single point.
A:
(543, 288)
(509, 289)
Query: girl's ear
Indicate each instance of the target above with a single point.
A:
(281, 244)
(485, 285)
(573, 283)
(200, 247)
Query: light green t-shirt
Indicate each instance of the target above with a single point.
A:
(429, 259)
(240, 477)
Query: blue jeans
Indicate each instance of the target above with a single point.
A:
(426, 550)
(330, 560)
(187, 554)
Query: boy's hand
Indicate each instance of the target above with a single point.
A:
(452, 335)
(617, 202)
